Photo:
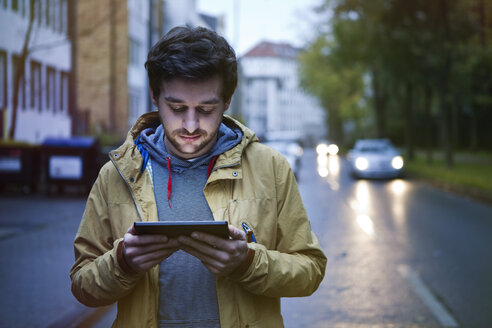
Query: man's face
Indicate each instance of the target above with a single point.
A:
(190, 112)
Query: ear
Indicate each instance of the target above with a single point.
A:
(227, 104)
(154, 101)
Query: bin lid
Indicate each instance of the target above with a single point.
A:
(75, 142)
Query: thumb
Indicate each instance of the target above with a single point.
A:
(236, 233)
(131, 230)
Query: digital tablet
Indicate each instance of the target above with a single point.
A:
(173, 229)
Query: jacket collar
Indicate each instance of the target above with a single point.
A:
(128, 160)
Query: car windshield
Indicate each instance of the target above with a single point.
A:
(373, 148)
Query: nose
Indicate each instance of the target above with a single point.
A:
(190, 121)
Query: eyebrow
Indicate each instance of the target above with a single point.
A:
(212, 101)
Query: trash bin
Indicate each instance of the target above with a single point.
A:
(71, 161)
(19, 165)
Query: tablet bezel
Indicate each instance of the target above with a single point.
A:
(173, 229)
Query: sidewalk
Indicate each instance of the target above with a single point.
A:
(36, 252)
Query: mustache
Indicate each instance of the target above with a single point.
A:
(187, 133)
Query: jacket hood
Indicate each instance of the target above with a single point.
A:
(230, 158)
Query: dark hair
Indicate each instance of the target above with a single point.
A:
(193, 53)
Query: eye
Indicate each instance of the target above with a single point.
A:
(205, 110)
(178, 109)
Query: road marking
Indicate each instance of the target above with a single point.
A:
(443, 316)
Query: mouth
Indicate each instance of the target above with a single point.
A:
(190, 138)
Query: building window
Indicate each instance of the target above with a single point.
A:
(35, 10)
(64, 92)
(134, 52)
(51, 89)
(134, 107)
(21, 95)
(36, 85)
(3, 80)
(63, 16)
(55, 15)
(48, 12)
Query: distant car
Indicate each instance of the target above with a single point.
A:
(325, 148)
(292, 151)
(375, 158)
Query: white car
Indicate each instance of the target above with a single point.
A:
(375, 158)
(292, 152)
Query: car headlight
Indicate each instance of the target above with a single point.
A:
(361, 163)
(397, 162)
(333, 149)
(322, 149)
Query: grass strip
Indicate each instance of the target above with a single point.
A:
(471, 173)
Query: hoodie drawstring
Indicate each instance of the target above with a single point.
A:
(170, 183)
(211, 166)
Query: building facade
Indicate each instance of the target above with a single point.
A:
(113, 38)
(42, 108)
(273, 104)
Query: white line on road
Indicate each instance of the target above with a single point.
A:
(443, 316)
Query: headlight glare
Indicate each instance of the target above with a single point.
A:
(397, 162)
(361, 163)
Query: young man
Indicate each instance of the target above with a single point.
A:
(189, 161)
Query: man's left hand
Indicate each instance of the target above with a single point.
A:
(220, 256)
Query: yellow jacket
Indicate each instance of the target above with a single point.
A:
(249, 183)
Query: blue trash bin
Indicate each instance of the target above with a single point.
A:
(19, 165)
(71, 161)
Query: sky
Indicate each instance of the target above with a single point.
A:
(248, 22)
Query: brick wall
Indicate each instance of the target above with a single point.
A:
(95, 85)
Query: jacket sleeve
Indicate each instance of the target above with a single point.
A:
(297, 266)
(97, 277)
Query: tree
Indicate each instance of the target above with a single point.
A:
(20, 71)
(337, 87)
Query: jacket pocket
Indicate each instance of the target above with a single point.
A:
(260, 215)
(259, 311)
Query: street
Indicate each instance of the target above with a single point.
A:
(400, 254)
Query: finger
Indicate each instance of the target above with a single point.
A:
(236, 233)
(208, 239)
(140, 250)
(157, 256)
(215, 264)
(140, 240)
(205, 246)
(207, 255)
(131, 230)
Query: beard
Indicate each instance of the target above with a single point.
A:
(191, 148)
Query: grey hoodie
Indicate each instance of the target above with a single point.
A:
(187, 289)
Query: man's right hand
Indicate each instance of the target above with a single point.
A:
(142, 252)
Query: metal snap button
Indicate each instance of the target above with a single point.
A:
(234, 173)
(115, 155)
(132, 179)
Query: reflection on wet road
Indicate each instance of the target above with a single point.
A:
(400, 254)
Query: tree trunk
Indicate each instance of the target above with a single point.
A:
(428, 124)
(19, 73)
(446, 123)
(409, 121)
(473, 128)
(379, 105)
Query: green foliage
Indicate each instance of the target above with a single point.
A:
(407, 68)
(471, 174)
(339, 88)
